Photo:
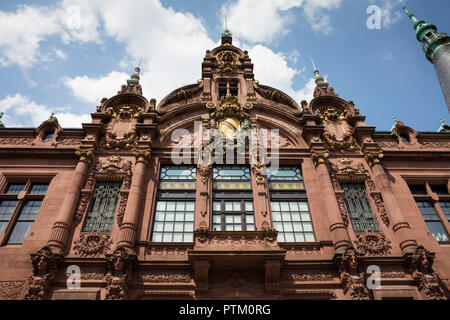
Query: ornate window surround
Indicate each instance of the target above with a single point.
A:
(349, 173)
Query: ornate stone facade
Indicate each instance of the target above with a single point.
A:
(130, 139)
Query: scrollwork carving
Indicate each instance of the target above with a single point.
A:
(92, 244)
(373, 244)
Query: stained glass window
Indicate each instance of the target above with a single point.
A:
(178, 178)
(358, 208)
(103, 209)
(284, 179)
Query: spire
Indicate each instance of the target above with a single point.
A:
(320, 81)
(227, 37)
(133, 85)
(444, 127)
(411, 15)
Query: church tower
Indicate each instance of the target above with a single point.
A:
(437, 50)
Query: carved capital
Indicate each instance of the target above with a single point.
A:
(142, 155)
(85, 155)
(374, 157)
(319, 157)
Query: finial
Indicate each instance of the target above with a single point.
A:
(52, 116)
(444, 127)
(395, 123)
(135, 77)
(320, 81)
(1, 123)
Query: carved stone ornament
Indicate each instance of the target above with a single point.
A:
(373, 244)
(380, 208)
(270, 235)
(111, 141)
(122, 206)
(183, 94)
(275, 95)
(332, 114)
(204, 170)
(319, 157)
(124, 111)
(352, 279)
(374, 157)
(92, 244)
(114, 165)
(347, 142)
(44, 273)
(227, 62)
(119, 273)
(259, 171)
(348, 171)
(426, 279)
(85, 155)
(82, 207)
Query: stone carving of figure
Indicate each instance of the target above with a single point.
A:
(351, 279)
(44, 271)
(426, 279)
(119, 274)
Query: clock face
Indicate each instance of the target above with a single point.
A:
(229, 127)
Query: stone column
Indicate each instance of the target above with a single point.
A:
(61, 227)
(338, 230)
(127, 234)
(401, 228)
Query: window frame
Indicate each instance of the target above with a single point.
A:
(22, 198)
(290, 196)
(176, 195)
(434, 198)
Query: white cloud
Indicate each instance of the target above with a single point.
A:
(314, 11)
(390, 11)
(21, 33)
(272, 69)
(21, 111)
(93, 90)
(60, 54)
(259, 20)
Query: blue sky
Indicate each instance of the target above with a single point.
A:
(64, 56)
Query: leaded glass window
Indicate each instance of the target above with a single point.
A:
(174, 221)
(25, 221)
(178, 178)
(292, 220)
(286, 178)
(358, 207)
(233, 215)
(103, 209)
(432, 220)
(231, 178)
